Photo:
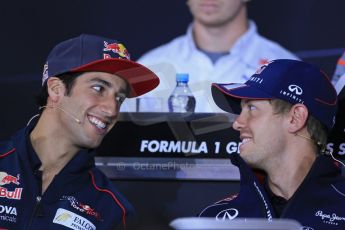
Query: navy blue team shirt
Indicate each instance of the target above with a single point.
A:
(80, 197)
(318, 203)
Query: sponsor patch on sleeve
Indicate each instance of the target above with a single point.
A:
(72, 220)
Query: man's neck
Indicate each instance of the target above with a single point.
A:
(220, 38)
(53, 151)
(286, 177)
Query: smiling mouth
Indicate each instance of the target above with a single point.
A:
(245, 140)
(98, 123)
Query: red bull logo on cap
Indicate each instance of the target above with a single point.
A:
(8, 179)
(262, 67)
(118, 48)
(263, 61)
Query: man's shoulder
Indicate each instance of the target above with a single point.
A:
(100, 180)
(6, 148)
(272, 49)
(338, 184)
(107, 191)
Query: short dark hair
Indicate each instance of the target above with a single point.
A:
(67, 78)
(316, 129)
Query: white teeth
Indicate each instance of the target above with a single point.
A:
(98, 123)
(245, 140)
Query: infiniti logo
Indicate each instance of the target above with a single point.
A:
(295, 88)
(227, 214)
(307, 228)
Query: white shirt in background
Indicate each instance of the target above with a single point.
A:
(182, 56)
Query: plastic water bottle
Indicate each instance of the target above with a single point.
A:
(181, 100)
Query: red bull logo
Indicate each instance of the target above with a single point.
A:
(262, 67)
(13, 195)
(90, 211)
(84, 208)
(8, 179)
(263, 61)
(118, 48)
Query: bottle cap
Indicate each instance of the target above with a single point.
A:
(182, 77)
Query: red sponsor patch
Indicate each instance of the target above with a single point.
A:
(13, 195)
(118, 48)
(84, 208)
(6, 178)
(229, 198)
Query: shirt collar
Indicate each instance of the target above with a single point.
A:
(82, 160)
(241, 44)
(323, 166)
(245, 40)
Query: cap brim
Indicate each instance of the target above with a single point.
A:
(228, 96)
(140, 79)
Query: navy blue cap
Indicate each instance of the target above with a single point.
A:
(93, 53)
(289, 80)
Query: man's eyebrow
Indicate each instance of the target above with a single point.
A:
(106, 83)
(109, 84)
(245, 101)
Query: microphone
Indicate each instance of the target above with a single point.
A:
(66, 112)
(330, 152)
(308, 138)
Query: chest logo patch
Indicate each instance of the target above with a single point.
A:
(84, 208)
(72, 220)
(8, 213)
(227, 214)
(330, 218)
(8, 179)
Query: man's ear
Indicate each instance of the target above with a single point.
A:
(298, 116)
(56, 88)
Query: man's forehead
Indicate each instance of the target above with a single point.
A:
(102, 76)
(107, 79)
(245, 101)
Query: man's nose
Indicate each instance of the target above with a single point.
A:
(110, 106)
(239, 122)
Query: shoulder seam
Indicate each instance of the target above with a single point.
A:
(7, 153)
(112, 195)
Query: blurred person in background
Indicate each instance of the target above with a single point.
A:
(220, 45)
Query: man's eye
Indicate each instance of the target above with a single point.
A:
(120, 98)
(251, 107)
(98, 88)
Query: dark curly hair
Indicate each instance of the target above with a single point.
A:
(67, 78)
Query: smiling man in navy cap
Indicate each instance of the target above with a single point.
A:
(48, 179)
(285, 111)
